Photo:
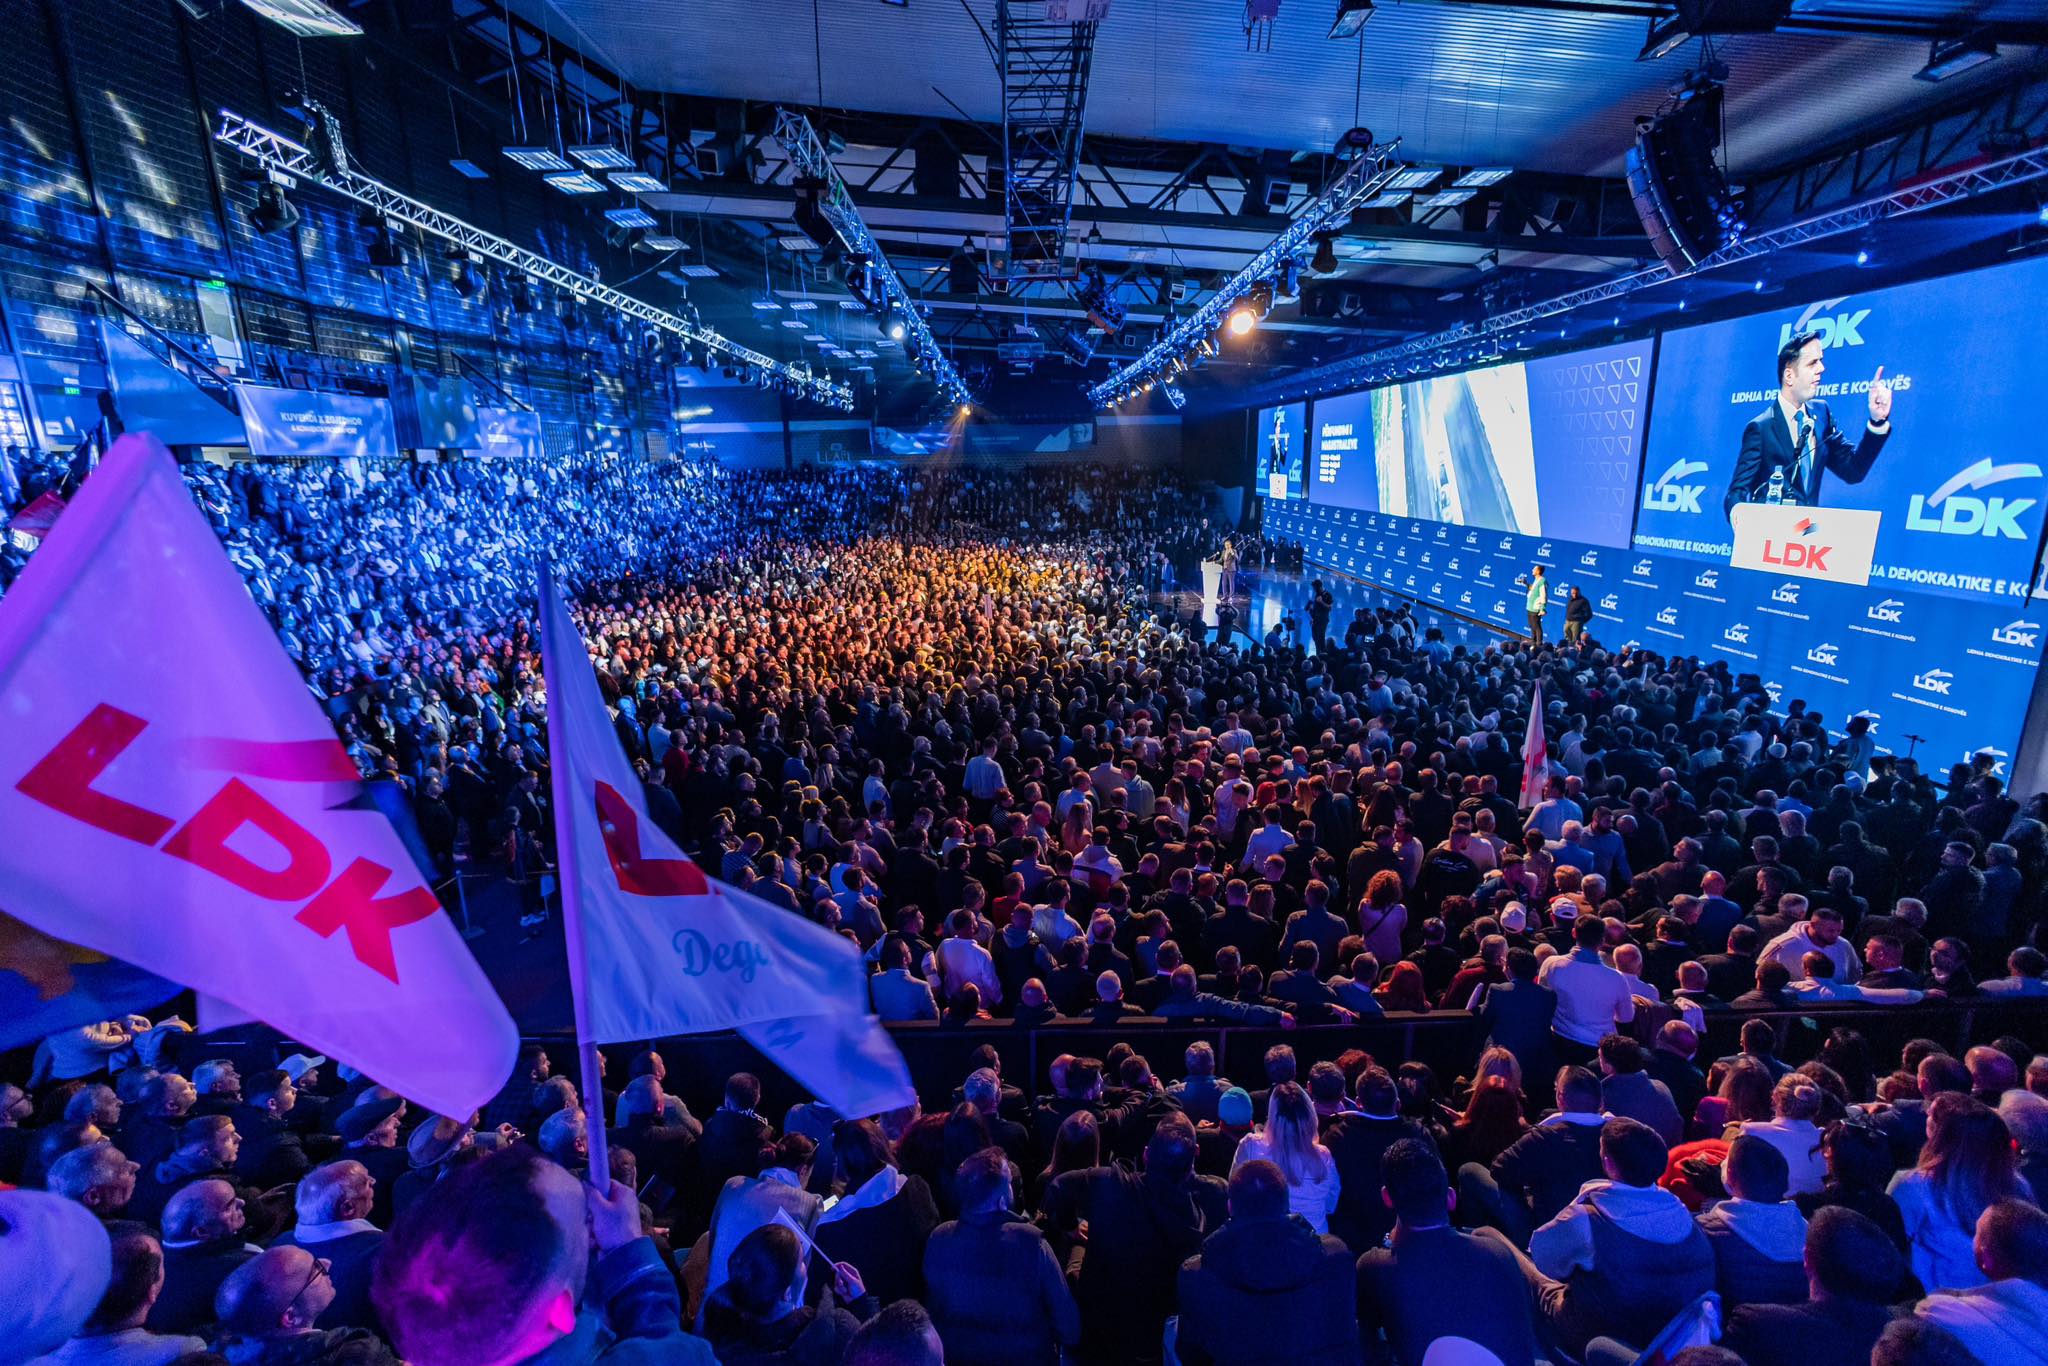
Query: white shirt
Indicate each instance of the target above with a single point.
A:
(1591, 997)
(1312, 1200)
(1794, 944)
(1053, 925)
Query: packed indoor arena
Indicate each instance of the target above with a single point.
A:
(1011, 683)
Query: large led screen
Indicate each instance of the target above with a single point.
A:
(1954, 475)
(1548, 447)
(1280, 449)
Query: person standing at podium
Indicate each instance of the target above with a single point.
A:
(1228, 559)
(1787, 446)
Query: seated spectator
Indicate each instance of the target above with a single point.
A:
(1400, 1286)
(2026, 971)
(996, 1291)
(880, 1225)
(1141, 1227)
(1795, 1102)
(2006, 1318)
(1625, 1256)
(1489, 1125)
(1852, 1276)
(1859, 1166)
(114, 1335)
(1628, 1090)
(1264, 1287)
(203, 1242)
(272, 1153)
(747, 1203)
(269, 1308)
(1758, 1236)
(1198, 1092)
(1288, 1141)
(495, 1266)
(334, 1204)
(759, 1314)
(98, 1177)
(1540, 1172)
(1967, 1166)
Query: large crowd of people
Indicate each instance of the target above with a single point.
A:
(944, 712)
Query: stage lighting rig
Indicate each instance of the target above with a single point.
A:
(834, 207)
(287, 161)
(1248, 296)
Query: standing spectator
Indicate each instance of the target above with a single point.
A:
(996, 1291)
(1263, 1287)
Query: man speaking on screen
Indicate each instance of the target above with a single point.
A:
(1786, 447)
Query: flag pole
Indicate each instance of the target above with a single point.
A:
(553, 667)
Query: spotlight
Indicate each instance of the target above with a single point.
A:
(1352, 17)
(966, 410)
(1324, 262)
(894, 327)
(1242, 320)
(519, 295)
(1955, 57)
(273, 212)
(386, 250)
(468, 283)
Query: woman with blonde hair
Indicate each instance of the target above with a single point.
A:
(1289, 1142)
(1966, 1166)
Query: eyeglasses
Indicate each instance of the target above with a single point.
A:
(320, 1268)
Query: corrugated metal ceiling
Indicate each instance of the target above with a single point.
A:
(1462, 84)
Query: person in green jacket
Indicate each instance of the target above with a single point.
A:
(1539, 602)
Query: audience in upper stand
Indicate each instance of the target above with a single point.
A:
(950, 714)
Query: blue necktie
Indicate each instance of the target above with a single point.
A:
(1802, 456)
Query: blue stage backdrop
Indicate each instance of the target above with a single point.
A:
(1943, 643)
(1280, 450)
(1958, 484)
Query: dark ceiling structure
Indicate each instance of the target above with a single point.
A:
(1056, 181)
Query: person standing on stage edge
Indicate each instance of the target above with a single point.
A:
(1538, 604)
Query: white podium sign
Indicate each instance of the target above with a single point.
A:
(1212, 579)
(1805, 542)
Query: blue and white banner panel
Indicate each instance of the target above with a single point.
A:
(299, 423)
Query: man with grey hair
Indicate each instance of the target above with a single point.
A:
(565, 1137)
(98, 1176)
(219, 1086)
(2026, 1118)
(203, 1244)
(334, 1204)
(984, 1091)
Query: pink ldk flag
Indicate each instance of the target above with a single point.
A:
(172, 795)
(657, 948)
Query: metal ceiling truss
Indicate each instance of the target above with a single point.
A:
(1468, 344)
(282, 155)
(2011, 116)
(1362, 178)
(808, 155)
(1043, 58)
(1848, 20)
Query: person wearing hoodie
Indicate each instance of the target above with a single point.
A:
(1758, 1236)
(996, 1291)
(512, 1261)
(1624, 1256)
(1266, 1287)
(2005, 1320)
(1853, 1271)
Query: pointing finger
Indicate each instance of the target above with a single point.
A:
(1879, 377)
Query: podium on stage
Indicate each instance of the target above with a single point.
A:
(1212, 579)
(1835, 544)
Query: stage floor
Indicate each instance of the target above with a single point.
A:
(1264, 597)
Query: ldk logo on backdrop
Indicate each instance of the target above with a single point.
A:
(1934, 680)
(1967, 516)
(1669, 495)
(1836, 329)
(2022, 633)
(1824, 654)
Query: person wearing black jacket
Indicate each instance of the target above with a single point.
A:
(1265, 1286)
(1578, 615)
(1853, 1275)
(1141, 1228)
(883, 1221)
(1356, 1142)
(203, 1244)
(995, 1289)
(272, 1154)
(1541, 1171)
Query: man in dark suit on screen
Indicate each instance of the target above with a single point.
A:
(1797, 435)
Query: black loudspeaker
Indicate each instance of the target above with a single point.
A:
(1680, 194)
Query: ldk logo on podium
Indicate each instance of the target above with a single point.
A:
(1813, 543)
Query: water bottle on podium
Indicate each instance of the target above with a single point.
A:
(1774, 492)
